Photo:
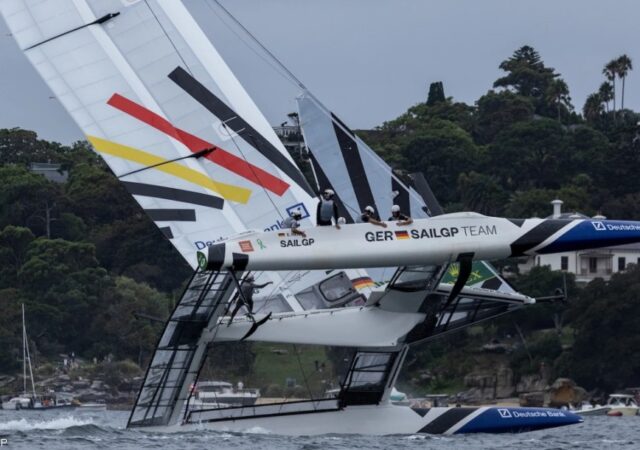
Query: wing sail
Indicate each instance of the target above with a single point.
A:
(360, 177)
(159, 104)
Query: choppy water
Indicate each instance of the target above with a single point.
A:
(85, 430)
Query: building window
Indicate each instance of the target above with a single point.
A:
(593, 265)
(564, 263)
(622, 263)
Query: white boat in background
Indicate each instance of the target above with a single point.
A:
(94, 406)
(223, 393)
(622, 405)
(587, 409)
(30, 400)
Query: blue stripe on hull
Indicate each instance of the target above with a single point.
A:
(515, 420)
(595, 234)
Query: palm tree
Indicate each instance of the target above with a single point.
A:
(593, 108)
(624, 66)
(606, 94)
(557, 94)
(611, 71)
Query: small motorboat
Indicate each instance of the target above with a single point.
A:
(624, 404)
(588, 409)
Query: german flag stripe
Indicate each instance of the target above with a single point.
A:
(235, 122)
(178, 195)
(220, 157)
(230, 192)
(362, 282)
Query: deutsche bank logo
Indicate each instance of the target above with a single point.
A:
(505, 413)
(598, 226)
(302, 209)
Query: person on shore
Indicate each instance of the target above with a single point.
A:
(293, 223)
(327, 210)
(399, 217)
(369, 216)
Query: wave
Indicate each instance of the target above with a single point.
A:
(59, 423)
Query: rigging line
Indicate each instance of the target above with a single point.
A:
(196, 155)
(288, 74)
(169, 38)
(230, 133)
(273, 57)
(304, 376)
(253, 50)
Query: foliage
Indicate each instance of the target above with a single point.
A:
(605, 351)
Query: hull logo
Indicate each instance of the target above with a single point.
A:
(246, 246)
(599, 226)
(505, 413)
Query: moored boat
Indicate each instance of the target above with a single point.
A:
(622, 404)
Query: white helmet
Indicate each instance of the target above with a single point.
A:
(249, 277)
(395, 209)
(296, 213)
(329, 192)
(342, 221)
(369, 209)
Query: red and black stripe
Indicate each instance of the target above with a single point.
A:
(238, 125)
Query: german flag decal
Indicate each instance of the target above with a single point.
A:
(402, 235)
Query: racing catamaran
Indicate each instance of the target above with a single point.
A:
(160, 105)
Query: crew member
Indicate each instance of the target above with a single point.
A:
(369, 215)
(247, 289)
(327, 209)
(398, 216)
(293, 223)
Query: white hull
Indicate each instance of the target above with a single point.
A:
(387, 419)
(625, 410)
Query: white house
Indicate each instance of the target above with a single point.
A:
(586, 264)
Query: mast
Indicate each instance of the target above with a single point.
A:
(24, 355)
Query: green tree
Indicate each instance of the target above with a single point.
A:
(624, 66)
(557, 94)
(593, 108)
(481, 193)
(611, 71)
(606, 93)
(529, 155)
(497, 111)
(23, 147)
(441, 152)
(605, 352)
(117, 331)
(436, 93)
(14, 243)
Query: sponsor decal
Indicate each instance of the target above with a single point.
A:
(431, 233)
(246, 246)
(306, 242)
(529, 413)
(479, 230)
(261, 245)
(601, 226)
(278, 224)
(201, 245)
(202, 260)
(402, 235)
